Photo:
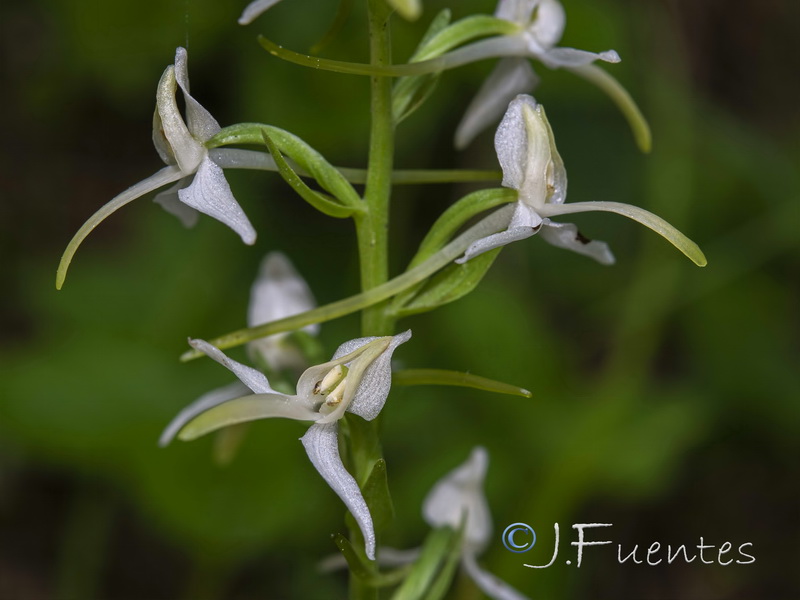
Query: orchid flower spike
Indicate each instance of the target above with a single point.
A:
(357, 379)
(531, 165)
(541, 24)
(458, 497)
(181, 145)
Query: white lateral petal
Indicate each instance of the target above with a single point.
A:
(571, 57)
(459, 494)
(253, 10)
(201, 124)
(186, 150)
(322, 446)
(170, 202)
(253, 379)
(566, 235)
(373, 389)
(248, 408)
(202, 404)
(511, 77)
(210, 194)
(549, 24)
(491, 585)
(516, 11)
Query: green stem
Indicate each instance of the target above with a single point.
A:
(372, 227)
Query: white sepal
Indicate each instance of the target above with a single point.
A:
(254, 10)
(322, 446)
(210, 194)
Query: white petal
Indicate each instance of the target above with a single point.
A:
(516, 11)
(524, 223)
(202, 404)
(278, 292)
(566, 235)
(253, 10)
(248, 408)
(253, 379)
(459, 494)
(186, 150)
(373, 389)
(322, 446)
(211, 195)
(170, 202)
(201, 124)
(523, 149)
(492, 586)
(511, 76)
(549, 24)
(570, 57)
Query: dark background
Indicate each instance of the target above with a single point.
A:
(665, 396)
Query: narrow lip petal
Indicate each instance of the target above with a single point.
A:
(210, 194)
(199, 121)
(491, 585)
(252, 378)
(248, 408)
(511, 77)
(202, 404)
(322, 446)
(159, 179)
(187, 151)
(254, 10)
(567, 236)
(640, 215)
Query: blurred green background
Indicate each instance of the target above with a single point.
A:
(666, 397)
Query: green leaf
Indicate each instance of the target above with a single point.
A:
(322, 202)
(304, 156)
(444, 579)
(440, 547)
(457, 379)
(451, 283)
(355, 562)
(411, 92)
(376, 494)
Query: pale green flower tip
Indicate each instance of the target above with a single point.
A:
(525, 393)
(410, 10)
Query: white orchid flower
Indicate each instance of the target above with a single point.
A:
(531, 165)
(541, 25)
(181, 145)
(458, 497)
(279, 291)
(357, 379)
